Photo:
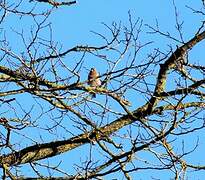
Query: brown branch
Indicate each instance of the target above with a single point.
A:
(74, 49)
(41, 151)
(188, 90)
(170, 63)
(56, 3)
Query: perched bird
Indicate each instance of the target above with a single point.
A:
(93, 79)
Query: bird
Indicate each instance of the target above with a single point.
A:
(93, 79)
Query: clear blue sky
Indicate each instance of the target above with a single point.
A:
(73, 25)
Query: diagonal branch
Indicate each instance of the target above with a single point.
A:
(41, 151)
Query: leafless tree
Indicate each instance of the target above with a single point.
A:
(148, 114)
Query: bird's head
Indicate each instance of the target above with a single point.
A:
(93, 69)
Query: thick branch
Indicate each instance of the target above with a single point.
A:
(41, 151)
(169, 64)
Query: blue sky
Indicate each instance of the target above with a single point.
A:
(72, 26)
